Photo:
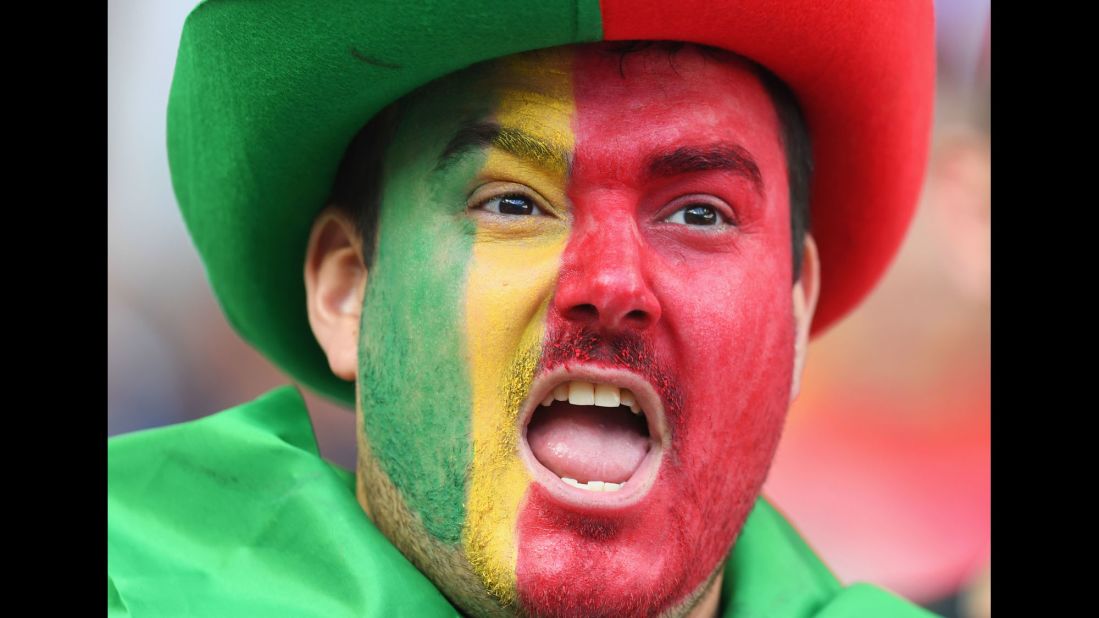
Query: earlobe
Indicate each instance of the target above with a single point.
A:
(335, 279)
(806, 292)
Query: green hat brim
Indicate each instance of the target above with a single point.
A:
(250, 176)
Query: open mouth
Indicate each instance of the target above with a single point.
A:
(594, 436)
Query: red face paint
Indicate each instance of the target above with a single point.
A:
(703, 313)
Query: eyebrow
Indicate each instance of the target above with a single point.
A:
(721, 156)
(514, 141)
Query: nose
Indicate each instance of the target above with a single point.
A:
(603, 284)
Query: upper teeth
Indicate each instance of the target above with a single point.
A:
(588, 394)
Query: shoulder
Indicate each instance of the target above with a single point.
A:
(278, 414)
(773, 572)
(170, 479)
(224, 454)
(237, 514)
(180, 498)
(863, 599)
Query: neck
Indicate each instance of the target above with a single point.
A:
(708, 602)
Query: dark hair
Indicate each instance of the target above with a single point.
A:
(799, 159)
(357, 189)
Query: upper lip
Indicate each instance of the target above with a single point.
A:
(651, 404)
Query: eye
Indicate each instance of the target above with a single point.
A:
(510, 205)
(695, 214)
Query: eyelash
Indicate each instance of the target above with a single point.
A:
(502, 190)
(725, 213)
(536, 210)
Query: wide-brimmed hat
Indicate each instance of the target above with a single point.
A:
(267, 96)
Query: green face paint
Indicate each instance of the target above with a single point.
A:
(454, 315)
(414, 388)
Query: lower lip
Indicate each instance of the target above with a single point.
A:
(631, 493)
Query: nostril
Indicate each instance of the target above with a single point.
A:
(583, 313)
(637, 316)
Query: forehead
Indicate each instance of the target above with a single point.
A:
(626, 100)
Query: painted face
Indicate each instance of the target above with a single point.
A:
(577, 339)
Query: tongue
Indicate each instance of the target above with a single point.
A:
(588, 443)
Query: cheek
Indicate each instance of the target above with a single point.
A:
(731, 330)
(509, 288)
(412, 349)
(735, 347)
(732, 341)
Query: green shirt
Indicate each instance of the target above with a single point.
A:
(236, 514)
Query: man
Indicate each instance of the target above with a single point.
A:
(560, 287)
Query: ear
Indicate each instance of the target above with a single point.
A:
(335, 278)
(806, 292)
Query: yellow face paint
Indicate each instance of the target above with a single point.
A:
(510, 282)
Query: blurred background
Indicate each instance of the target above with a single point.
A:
(885, 463)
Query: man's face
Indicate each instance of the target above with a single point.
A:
(575, 227)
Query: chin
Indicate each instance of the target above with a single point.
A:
(642, 564)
